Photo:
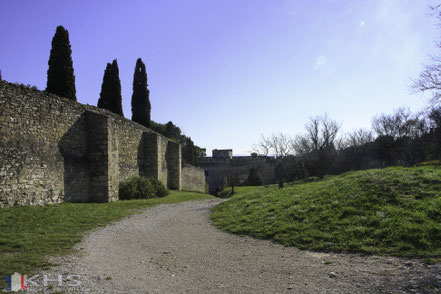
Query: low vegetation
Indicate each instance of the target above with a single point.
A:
(141, 188)
(30, 234)
(394, 211)
(227, 192)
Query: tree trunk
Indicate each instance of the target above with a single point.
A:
(280, 183)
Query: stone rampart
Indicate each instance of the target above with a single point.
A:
(53, 149)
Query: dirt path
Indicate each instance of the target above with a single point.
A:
(175, 249)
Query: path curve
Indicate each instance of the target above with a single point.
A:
(175, 249)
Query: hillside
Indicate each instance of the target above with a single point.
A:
(394, 211)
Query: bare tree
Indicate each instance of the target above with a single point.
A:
(355, 149)
(386, 125)
(321, 133)
(360, 137)
(281, 146)
(435, 132)
(318, 144)
(435, 117)
(231, 176)
(429, 80)
(402, 123)
(277, 144)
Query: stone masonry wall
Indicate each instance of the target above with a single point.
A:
(43, 148)
(153, 154)
(54, 150)
(103, 158)
(193, 178)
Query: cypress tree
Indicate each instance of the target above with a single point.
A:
(60, 75)
(110, 96)
(103, 101)
(140, 99)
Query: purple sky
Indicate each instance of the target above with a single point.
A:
(226, 71)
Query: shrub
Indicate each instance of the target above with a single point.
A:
(136, 188)
(141, 188)
(160, 189)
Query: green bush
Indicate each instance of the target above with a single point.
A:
(141, 188)
(160, 189)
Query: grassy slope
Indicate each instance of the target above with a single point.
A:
(29, 234)
(226, 193)
(394, 211)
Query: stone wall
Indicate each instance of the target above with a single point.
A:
(193, 178)
(43, 148)
(103, 157)
(53, 150)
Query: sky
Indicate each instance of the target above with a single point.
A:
(227, 71)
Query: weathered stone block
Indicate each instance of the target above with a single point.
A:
(102, 145)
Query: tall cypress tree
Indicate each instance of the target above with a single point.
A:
(110, 96)
(140, 99)
(103, 101)
(116, 101)
(60, 75)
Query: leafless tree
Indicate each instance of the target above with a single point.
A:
(402, 123)
(277, 144)
(355, 148)
(318, 143)
(360, 138)
(429, 80)
(389, 124)
(281, 146)
(321, 133)
(435, 118)
(231, 176)
(435, 132)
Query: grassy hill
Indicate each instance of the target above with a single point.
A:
(394, 211)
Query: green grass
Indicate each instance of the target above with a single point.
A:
(226, 193)
(30, 234)
(394, 211)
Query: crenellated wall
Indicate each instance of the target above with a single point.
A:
(53, 150)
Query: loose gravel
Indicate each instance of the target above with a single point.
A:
(175, 249)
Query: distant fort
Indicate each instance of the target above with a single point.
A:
(223, 163)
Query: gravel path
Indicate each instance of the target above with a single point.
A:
(175, 249)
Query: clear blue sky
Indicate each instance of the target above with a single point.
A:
(226, 71)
